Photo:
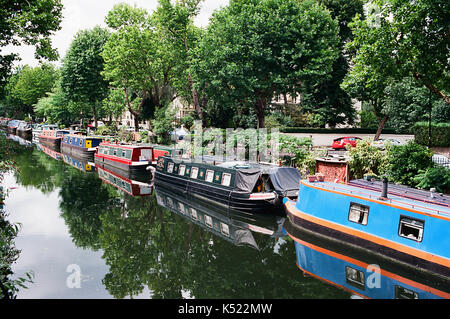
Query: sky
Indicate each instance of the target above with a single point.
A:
(86, 14)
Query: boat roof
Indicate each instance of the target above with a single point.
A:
(132, 146)
(413, 199)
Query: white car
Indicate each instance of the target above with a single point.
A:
(382, 143)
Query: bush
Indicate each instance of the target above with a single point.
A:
(434, 177)
(406, 161)
(440, 134)
(367, 159)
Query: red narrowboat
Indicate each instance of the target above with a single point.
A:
(123, 156)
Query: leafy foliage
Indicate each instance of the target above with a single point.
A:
(406, 161)
(367, 159)
(434, 177)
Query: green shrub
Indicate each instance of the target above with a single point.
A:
(440, 134)
(406, 161)
(367, 159)
(434, 177)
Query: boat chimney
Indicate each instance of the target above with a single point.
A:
(384, 191)
(432, 190)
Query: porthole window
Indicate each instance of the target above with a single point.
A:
(358, 213)
(226, 179)
(224, 229)
(411, 228)
(209, 176)
(208, 221)
(404, 293)
(194, 172)
(354, 277)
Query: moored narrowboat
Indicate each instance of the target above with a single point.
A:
(363, 273)
(409, 229)
(126, 157)
(238, 185)
(80, 145)
(12, 126)
(24, 130)
(130, 186)
(52, 138)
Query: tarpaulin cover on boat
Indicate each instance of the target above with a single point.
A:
(246, 179)
(285, 179)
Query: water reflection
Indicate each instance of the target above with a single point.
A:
(364, 273)
(129, 246)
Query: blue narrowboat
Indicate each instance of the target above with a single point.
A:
(80, 145)
(412, 228)
(363, 273)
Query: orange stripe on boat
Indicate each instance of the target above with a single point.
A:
(290, 206)
(378, 202)
(365, 266)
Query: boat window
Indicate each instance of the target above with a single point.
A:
(209, 176)
(128, 154)
(226, 179)
(182, 170)
(114, 151)
(224, 229)
(123, 153)
(358, 213)
(208, 221)
(170, 167)
(411, 228)
(181, 207)
(194, 213)
(194, 172)
(354, 277)
(70, 141)
(81, 142)
(404, 293)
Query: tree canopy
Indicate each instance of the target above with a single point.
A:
(254, 49)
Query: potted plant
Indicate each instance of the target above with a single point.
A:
(320, 177)
(311, 178)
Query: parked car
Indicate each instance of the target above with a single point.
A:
(341, 142)
(382, 143)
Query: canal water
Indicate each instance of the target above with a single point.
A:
(92, 233)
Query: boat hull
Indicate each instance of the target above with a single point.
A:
(54, 143)
(138, 169)
(80, 152)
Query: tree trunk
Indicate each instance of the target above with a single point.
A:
(433, 89)
(260, 107)
(380, 127)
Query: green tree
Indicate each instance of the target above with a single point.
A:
(254, 49)
(401, 39)
(81, 78)
(136, 60)
(30, 22)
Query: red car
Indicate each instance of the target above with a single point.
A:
(342, 142)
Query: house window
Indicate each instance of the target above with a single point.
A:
(411, 228)
(358, 213)
(354, 277)
(170, 167)
(194, 172)
(226, 179)
(209, 176)
(182, 170)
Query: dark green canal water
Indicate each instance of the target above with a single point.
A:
(86, 233)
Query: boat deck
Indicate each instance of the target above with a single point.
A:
(401, 196)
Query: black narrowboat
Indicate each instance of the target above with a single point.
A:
(243, 186)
